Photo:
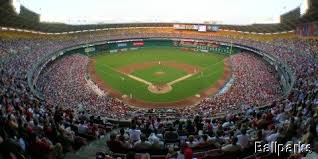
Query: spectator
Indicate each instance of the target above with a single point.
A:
(142, 144)
(232, 147)
(134, 134)
(243, 139)
(191, 143)
(114, 145)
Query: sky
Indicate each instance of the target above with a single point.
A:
(192, 11)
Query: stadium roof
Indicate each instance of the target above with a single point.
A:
(29, 20)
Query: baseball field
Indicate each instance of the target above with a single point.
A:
(159, 76)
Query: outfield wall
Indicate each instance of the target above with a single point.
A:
(132, 44)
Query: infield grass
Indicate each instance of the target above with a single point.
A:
(211, 63)
(159, 74)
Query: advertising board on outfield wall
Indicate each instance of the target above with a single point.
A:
(138, 43)
(122, 44)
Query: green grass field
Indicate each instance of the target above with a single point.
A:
(169, 75)
(211, 63)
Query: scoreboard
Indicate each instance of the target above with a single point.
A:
(202, 28)
(197, 27)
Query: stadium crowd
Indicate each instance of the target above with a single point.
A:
(29, 126)
(234, 134)
(250, 88)
(68, 87)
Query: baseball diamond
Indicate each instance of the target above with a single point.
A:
(160, 77)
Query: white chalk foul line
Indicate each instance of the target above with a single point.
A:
(180, 79)
(139, 79)
(130, 76)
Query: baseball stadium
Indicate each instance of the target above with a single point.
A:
(158, 80)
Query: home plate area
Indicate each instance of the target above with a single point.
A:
(159, 89)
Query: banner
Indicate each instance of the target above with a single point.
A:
(113, 51)
(310, 29)
(134, 48)
(191, 27)
(179, 26)
(138, 43)
(123, 50)
(215, 28)
(122, 44)
(202, 28)
(89, 49)
(188, 43)
(195, 27)
(213, 45)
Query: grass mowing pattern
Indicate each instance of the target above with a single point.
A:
(211, 63)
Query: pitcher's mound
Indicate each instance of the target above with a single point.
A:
(159, 89)
(159, 73)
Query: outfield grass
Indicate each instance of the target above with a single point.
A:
(211, 63)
